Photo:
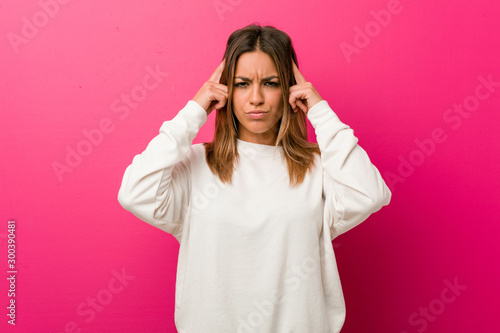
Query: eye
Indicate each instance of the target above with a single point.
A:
(273, 84)
(240, 84)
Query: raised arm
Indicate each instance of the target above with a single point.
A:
(353, 186)
(156, 186)
(150, 188)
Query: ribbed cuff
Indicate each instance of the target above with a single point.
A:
(193, 112)
(320, 113)
(190, 118)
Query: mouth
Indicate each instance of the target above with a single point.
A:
(256, 114)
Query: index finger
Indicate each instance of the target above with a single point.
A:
(215, 77)
(298, 75)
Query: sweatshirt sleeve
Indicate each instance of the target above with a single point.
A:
(352, 185)
(156, 186)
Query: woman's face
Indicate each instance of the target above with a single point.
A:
(256, 88)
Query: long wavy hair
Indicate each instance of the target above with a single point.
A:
(222, 153)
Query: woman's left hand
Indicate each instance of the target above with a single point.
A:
(303, 96)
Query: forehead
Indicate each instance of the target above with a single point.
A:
(255, 64)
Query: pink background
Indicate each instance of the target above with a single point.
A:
(64, 70)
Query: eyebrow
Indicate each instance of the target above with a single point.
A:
(264, 79)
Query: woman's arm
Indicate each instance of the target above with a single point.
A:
(353, 186)
(156, 186)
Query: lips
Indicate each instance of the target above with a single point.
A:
(256, 114)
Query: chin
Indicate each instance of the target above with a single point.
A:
(258, 129)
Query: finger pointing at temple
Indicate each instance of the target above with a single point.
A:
(298, 75)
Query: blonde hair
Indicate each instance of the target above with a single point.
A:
(221, 153)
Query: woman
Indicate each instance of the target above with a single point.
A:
(256, 209)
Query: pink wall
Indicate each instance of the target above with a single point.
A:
(412, 84)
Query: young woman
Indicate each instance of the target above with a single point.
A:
(256, 209)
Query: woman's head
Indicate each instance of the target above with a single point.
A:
(254, 54)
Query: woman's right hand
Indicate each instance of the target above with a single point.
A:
(212, 95)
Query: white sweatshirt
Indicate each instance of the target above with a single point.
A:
(257, 255)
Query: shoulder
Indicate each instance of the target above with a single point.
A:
(197, 148)
(196, 153)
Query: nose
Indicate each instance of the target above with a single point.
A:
(256, 96)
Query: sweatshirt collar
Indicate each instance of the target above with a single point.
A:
(256, 147)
